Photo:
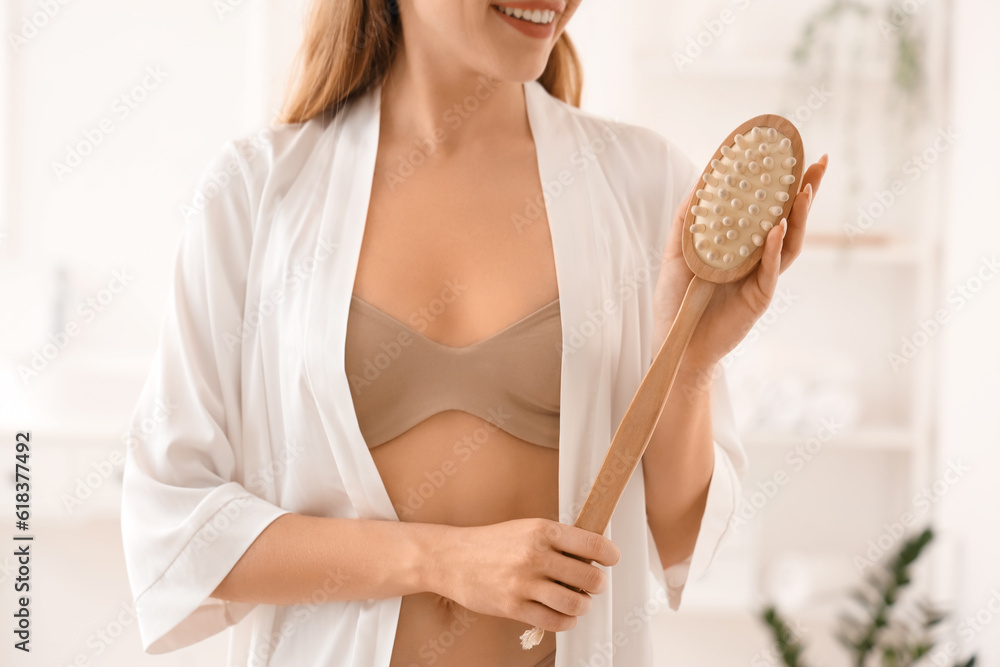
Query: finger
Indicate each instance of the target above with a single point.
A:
(542, 616)
(576, 573)
(558, 598)
(770, 265)
(795, 236)
(586, 545)
(814, 174)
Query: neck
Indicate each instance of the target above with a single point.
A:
(450, 104)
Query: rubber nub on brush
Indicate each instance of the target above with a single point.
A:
(744, 191)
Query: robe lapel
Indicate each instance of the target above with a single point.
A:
(583, 274)
(582, 215)
(352, 152)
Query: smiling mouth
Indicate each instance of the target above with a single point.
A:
(536, 16)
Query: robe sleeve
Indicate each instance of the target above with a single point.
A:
(186, 517)
(730, 466)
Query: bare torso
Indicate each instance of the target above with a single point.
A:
(451, 220)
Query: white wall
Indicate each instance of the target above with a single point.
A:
(970, 420)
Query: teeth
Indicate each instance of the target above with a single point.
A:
(542, 16)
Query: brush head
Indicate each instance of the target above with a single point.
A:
(746, 189)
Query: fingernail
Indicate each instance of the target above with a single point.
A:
(824, 160)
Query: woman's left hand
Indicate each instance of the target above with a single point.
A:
(736, 306)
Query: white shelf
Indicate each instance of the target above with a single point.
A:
(891, 252)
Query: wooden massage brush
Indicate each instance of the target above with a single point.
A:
(747, 188)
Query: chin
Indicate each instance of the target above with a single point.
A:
(520, 73)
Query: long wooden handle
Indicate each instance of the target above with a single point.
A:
(636, 427)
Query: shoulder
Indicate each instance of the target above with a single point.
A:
(274, 155)
(637, 162)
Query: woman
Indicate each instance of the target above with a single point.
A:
(402, 333)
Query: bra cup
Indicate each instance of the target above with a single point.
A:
(399, 377)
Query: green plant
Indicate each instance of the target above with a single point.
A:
(875, 628)
(908, 64)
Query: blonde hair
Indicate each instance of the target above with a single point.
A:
(349, 45)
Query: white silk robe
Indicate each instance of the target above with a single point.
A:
(247, 413)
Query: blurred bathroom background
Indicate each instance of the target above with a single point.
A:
(866, 397)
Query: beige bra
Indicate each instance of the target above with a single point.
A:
(399, 377)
